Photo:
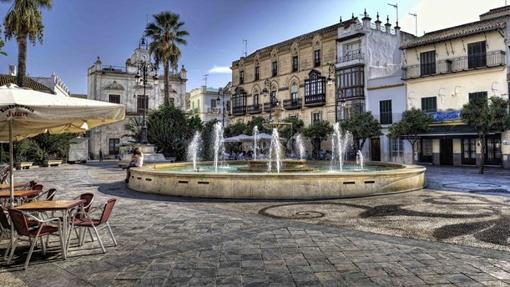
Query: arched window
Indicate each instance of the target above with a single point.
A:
(294, 89)
(256, 98)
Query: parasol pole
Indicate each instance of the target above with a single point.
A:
(11, 164)
(11, 175)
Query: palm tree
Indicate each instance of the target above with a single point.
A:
(24, 21)
(166, 33)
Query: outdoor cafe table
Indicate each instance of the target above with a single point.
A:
(16, 186)
(63, 206)
(18, 194)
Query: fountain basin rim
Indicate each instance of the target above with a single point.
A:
(398, 169)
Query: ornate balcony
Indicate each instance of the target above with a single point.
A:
(266, 106)
(292, 104)
(254, 109)
(239, 111)
(315, 100)
(454, 65)
(350, 58)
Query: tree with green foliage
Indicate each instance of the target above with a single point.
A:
(24, 22)
(256, 121)
(414, 122)
(207, 139)
(3, 53)
(294, 126)
(195, 123)
(317, 133)
(167, 34)
(236, 129)
(43, 147)
(170, 129)
(362, 126)
(134, 129)
(486, 116)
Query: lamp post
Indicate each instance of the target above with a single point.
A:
(146, 70)
(222, 93)
(267, 92)
(331, 80)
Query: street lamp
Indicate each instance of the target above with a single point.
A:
(146, 71)
(267, 92)
(222, 93)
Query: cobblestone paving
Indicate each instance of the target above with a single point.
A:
(177, 242)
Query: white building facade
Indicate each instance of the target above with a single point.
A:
(368, 72)
(119, 85)
(447, 69)
(207, 103)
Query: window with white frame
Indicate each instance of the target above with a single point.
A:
(397, 149)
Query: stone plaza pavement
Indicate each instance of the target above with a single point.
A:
(188, 242)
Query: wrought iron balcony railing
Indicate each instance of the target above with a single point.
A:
(455, 65)
(350, 56)
(254, 109)
(292, 104)
(239, 110)
(315, 100)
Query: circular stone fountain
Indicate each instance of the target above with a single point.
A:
(276, 177)
(179, 179)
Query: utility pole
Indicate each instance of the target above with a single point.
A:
(396, 8)
(415, 22)
(205, 79)
(245, 53)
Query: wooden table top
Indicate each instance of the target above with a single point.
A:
(48, 205)
(18, 193)
(16, 185)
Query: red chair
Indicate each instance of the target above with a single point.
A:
(5, 226)
(97, 224)
(82, 212)
(21, 225)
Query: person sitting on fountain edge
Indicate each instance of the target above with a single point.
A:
(136, 161)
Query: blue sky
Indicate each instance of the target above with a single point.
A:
(77, 31)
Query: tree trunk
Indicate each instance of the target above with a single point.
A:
(413, 143)
(316, 148)
(482, 154)
(362, 144)
(166, 68)
(22, 58)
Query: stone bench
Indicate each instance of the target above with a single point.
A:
(54, 162)
(24, 165)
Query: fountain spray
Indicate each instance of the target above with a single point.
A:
(340, 141)
(300, 146)
(275, 151)
(255, 141)
(219, 145)
(194, 149)
(360, 160)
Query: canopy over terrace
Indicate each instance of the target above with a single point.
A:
(247, 138)
(26, 113)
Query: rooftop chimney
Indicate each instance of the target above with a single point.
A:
(366, 19)
(388, 25)
(12, 70)
(378, 23)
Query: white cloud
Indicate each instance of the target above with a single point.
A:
(220, 70)
(439, 14)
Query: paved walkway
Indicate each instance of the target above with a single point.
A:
(178, 242)
(467, 179)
